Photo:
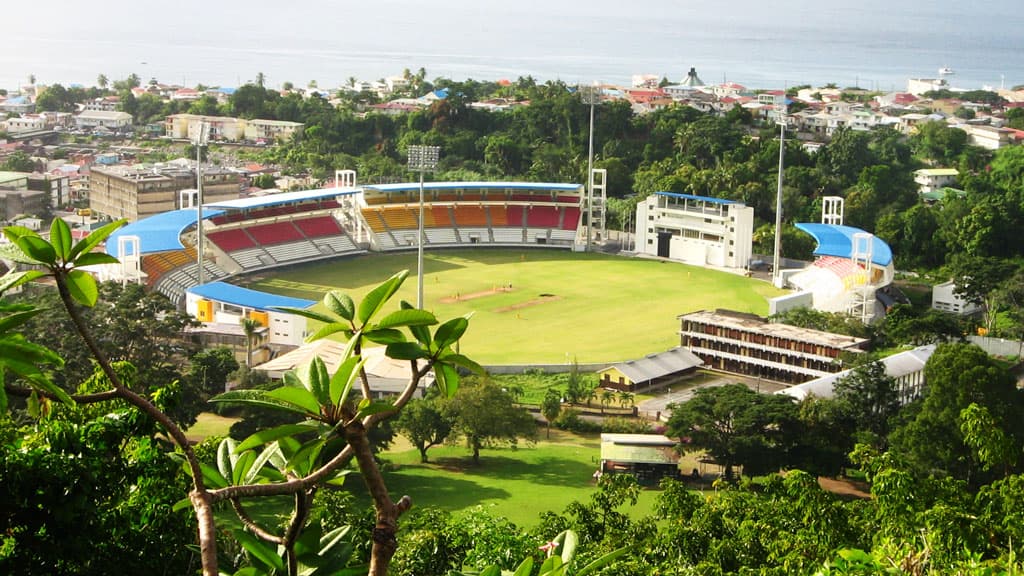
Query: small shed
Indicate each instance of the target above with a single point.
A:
(650, 457)
(652, 370)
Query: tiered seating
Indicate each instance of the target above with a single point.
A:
(508, 235)
(846, 270)
(337, 244)
(568, 199)
(158, 264)
(438, 216)
(301, 250)
(571, 220)
(499, 215)
(441, 236)
(400, 218)
(319, 226)
(231, 240)
(470, 216)
(542, 217)
(252, 258)
(275, 233)
(515, 215)
(475, 235)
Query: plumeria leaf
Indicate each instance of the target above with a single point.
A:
(83, 287)
(375, 300)
(340, 303)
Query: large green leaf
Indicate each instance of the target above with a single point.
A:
(95, 238)
(525, 568)
(344, 379)
(601, 562)
(447, 379)
(407, 317)
(11, 321)
(304, 460)
(568, 541)
(212, 477)
(384, 336)
(260, 550)
(82, 287)
(95, 258)
(462, 362)
(264, 457)
(405, 351)
(272, 434)
(224, 460)
(307, 314)
(242, 466)
(421, 333)
(376, 298)
(299, 397)
(314, 377)
(12, 252)
(340, 303)
(447, 333)
(37, 249)
(257, 398)
(60, 238)
(14, 279)
(328, 330)
(366, 407)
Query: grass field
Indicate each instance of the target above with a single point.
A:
(541, 306)
(518, 484)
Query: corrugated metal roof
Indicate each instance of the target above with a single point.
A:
(160, 232)
(282, 198)
(659, 365)
(639, 449)
(247, 298)
(406, 186)
(835, 240)
(896, 366)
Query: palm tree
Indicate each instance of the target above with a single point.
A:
(625, 399)
(590, 394)
(102, 81)
(607, 397)
(249, 327)
(260, 79)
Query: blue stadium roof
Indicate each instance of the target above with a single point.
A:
(282, 198)
(160, 232)
(406, 186)
(834, 240)
(701, 198)
(246, 298)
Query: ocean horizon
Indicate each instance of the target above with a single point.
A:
(873, 44)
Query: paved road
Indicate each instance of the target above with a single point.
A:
(684, 391)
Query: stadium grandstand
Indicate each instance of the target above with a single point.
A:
(851, 268)
(264, 232)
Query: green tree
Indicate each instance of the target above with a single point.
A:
(209, 370)
(869, 397)
(736, 426)
(551, 407)
(425, 423)
(102, 81)
(18, 161)
(957, 376)
(484, 414)
(249, 327)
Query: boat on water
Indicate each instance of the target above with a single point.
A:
(946, 71)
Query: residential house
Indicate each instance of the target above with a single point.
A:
(931, 179)
(115, 121)
(944, 298)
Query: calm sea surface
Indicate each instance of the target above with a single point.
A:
(872, 43)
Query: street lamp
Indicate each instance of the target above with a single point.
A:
(590, 95)
(422, 159)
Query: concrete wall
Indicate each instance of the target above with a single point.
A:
(997, 346)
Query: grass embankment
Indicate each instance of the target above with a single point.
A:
(541, 306)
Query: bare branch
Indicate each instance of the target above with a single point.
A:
(251, 524)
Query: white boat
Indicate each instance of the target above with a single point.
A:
(946, 71)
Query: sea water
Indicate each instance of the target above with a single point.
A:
(875, 44)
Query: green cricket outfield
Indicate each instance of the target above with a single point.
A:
(536, 306)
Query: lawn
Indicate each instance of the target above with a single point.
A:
(541, 306)
(518, 483)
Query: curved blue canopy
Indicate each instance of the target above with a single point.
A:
(835, 240)
(160, 232)
(246, 297)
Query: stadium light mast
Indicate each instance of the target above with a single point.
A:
(201, 136)
(590, 95)
(421, 159)
(776, 275)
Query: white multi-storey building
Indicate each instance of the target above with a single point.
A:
(695, 229)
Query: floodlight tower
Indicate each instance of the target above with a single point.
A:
(776, 261)
(201, 135)
(590, 95)
(421, 159)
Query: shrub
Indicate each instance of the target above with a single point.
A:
(570, 421)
